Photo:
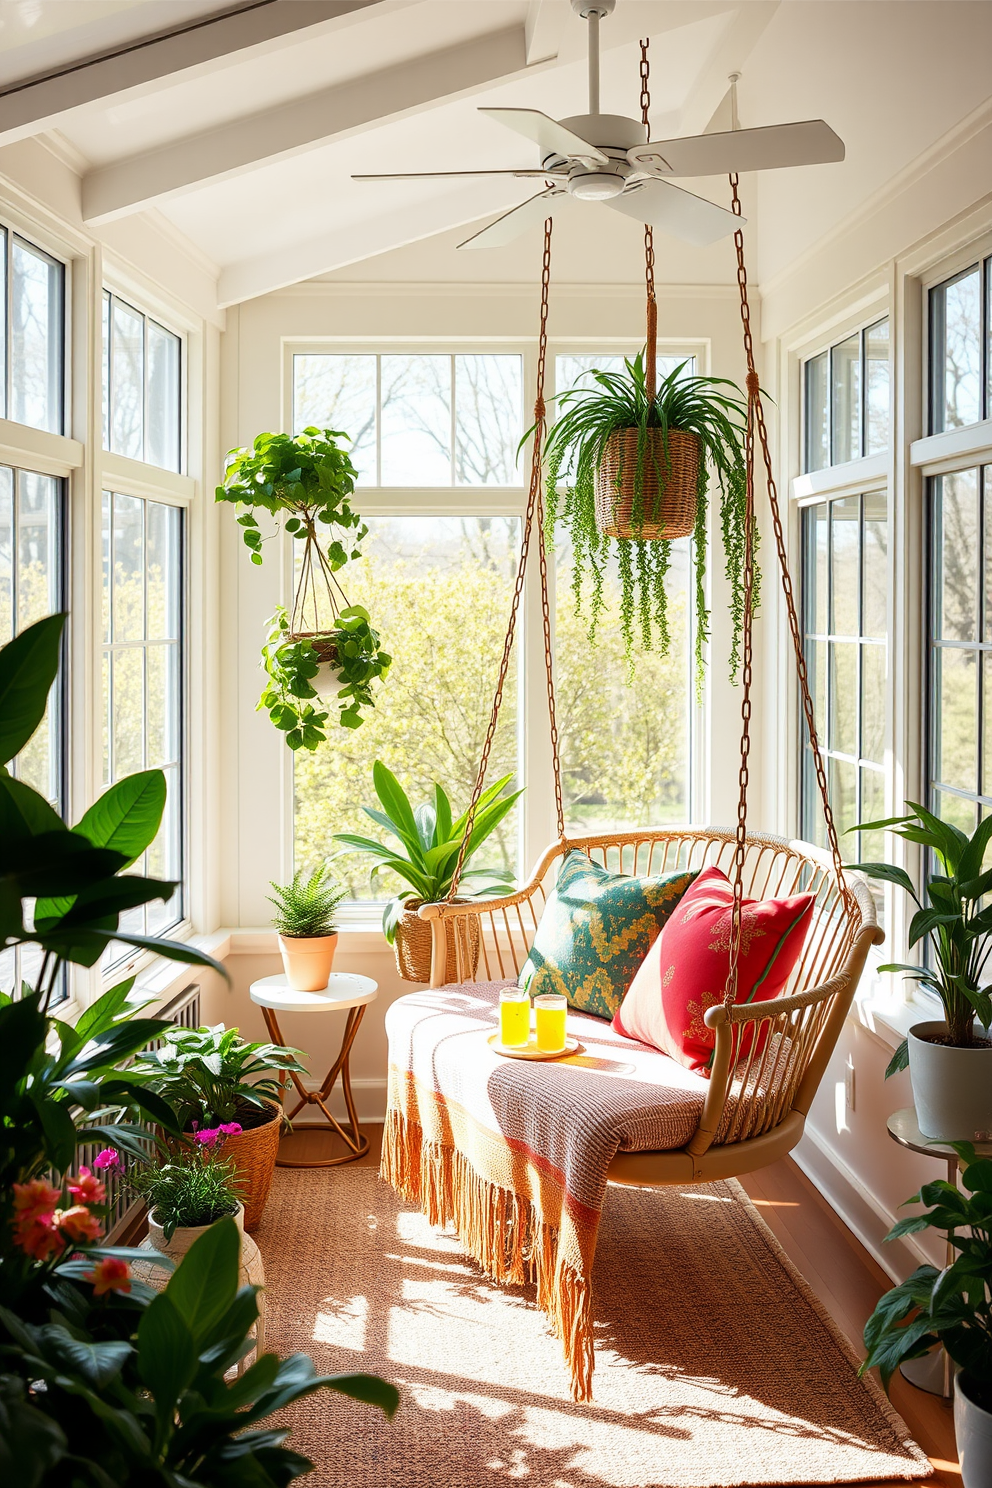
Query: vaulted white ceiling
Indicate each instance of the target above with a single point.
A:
(245, 127)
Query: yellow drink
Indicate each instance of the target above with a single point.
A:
(514, 1017)
(551, 1010)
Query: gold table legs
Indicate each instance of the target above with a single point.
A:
(355, 1140)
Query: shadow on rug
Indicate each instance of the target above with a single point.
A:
(715, 1365)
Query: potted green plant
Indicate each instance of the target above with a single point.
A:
(326, 648)
(304, 920)
(951, 1307)
(639, 475)
(210, 1076)
(950, 1065)
(429, 844)
(187, 1186)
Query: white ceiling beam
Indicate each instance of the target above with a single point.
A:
(729, 55)
(332, 114)
(543, 27)
(32, 106)
(251, 277)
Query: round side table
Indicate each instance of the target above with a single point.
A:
(344, 992)
(934, 1371)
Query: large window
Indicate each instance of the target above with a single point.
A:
(143, 674)
(32, 585)
(142, 385)
(960, 649)
(846, 399)
(845, 588)
(32, 319)
(960, 345)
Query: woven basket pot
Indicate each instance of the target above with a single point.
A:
(327, 683)
(412, 943)
(669, 486)
(254, 1152)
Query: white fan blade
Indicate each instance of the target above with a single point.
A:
(677, 212)
(537, 175)
(550, 137)
(529, 214)
(771, 148)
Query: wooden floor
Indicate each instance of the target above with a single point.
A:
(841, 1272)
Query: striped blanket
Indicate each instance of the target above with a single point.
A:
(515, 1154)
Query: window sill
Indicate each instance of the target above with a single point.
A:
(852, 475)
(889, 1014)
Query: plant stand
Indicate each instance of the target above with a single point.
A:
(935, 1372)
(344, 993)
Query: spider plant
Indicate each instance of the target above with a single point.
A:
(711, 408)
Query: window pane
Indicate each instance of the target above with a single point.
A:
(875, 565)
(127, 420)
(956, 333)
(872, 844)
(624, 749)
(873, 695)
(956, 702)
(163, 705)
(488, 420)
(845, 400)
(4, 240)
(419, 578)
(106, 369)
(843, 734)
(129, 569)
(816, 591)
(35, 338)
(877, 387)
(953, 809)
(162, 523)
(986, 786)
(162, 446)
(817, 660)
(816, 416)
(6, 554)
(37, 543)
(842, 784)
(338, 392)
(845, 537)
(416, 420)
(956, 545)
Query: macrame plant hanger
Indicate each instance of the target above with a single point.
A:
(756, 432)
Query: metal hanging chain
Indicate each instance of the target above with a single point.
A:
(534, 511)
(651, 359)
(756, 427)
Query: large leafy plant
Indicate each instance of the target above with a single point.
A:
(951, 1306)
(711, 408)
(210, 1075)
(124, 1389)
(955, 925)
(354, 653)
(429, 843)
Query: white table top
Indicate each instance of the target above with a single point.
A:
(344, 990)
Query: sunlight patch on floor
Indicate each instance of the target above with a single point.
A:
(343, 1324)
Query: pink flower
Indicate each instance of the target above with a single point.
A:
(78, 1223)
(108, 1159)
(109, 1275)
(209, 1137)
(87, 1189)
(230, 1128)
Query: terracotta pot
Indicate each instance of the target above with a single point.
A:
(412, 945)
(254, 1152)
(952, 1087)
(184, 1236)
(307, 960)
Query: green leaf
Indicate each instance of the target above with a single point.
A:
(899, 1060)
(206, 1283)
(166, 1352)
(24, 813)
(888, 872)
(28, 666)
(59, 1129)
(128, 815)
(103, 1013)
(396, 805)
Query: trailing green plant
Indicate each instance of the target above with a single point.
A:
(292, 662)
(306, 907)
(212, 1075)
(950, 1306)
(306, 476)
(187, 1184)
(954, 923)
(429, 844)
(715, 411)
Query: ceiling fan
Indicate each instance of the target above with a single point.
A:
(604, 158)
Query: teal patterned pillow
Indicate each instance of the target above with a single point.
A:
(595, 931)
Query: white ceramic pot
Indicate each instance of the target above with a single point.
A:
(973, 1432)
(307, 960)
(184, 1236)
(952, 1088)
(327, 682)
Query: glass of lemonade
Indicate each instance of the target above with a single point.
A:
(550, 1008)
(514, 1017)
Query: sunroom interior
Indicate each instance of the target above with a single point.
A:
(581, 1270)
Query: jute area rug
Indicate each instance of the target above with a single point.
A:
(715, 1365)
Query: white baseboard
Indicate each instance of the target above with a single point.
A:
(860, 1210)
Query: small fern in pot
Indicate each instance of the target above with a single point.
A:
(640, 472)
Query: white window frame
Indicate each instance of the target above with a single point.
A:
(538, 826)
(135, 304)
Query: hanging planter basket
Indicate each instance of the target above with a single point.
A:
(328, 681)
(665, 506)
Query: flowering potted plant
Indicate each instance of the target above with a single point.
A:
(187, 1186)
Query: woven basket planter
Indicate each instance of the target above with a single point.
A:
(412, 943)
(668, 494)
(254, 1153)
(326, 683)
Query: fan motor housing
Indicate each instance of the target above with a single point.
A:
(606, 131)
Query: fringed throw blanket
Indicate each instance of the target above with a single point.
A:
(514, 1153)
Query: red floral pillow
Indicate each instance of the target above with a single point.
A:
(685, 971)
